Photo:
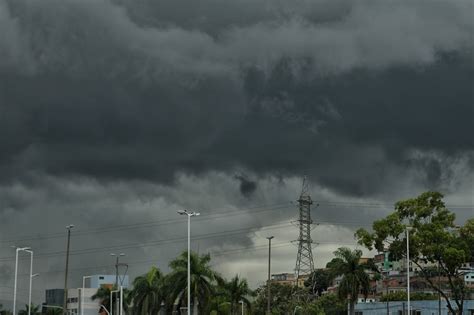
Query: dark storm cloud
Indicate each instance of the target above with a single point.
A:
(141, 90)
(247, 187)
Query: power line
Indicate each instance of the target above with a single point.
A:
(234, 212)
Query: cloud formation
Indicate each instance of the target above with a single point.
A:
(125, 109)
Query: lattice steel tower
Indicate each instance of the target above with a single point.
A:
(304, 258)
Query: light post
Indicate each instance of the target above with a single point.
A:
(111, 301)
(242, 302)
(269, 311)
(17, 250)
(68, 228)
(117, 256)
(82, 292)
(31, 279)
(189, 214)
(408, 229)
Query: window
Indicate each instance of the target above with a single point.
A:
(359, 313)
(101, 278)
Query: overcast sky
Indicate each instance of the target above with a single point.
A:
(116, 113)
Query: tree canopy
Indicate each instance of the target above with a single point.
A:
(433, 236)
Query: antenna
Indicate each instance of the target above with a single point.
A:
(304, 258)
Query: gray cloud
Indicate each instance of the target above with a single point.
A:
(112, 111)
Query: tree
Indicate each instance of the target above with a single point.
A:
(147, 293)
(203, 280)
(434, 238)
(330, 304)
(354, 280)
(35, 310)
(284, 299)
(236, 290)
(54, 311)
(103, 295)
(318, 281)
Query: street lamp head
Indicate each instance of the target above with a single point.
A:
(409, 228)
(35, 275)
(70, 226)
(270, 237)
(188, 213)
(121, 254)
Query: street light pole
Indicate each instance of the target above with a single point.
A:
(408, 229)
(242, 302)
(269, 311)
(189, 214)
(68, 228)
(31, 279)
(111, 303)
(17, 250)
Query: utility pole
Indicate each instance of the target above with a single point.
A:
(69, 228)
(304, 258)
(117, 256)
(269, 309)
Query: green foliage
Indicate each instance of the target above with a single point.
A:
(203, 281)
(319, 281)
(330, 304)
(35, 310)
(4, 312)
(54, 311)
(147, 293)
(434, 238)
(354, 280)
(284, 299)
(402, 296)
(231, 293)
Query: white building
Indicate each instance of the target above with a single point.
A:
(79, 301)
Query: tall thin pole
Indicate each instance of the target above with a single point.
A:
(16, 279)
(269, 310)
(31, 280)
(189, 214)
(189, 264)
(386, 293)
(121, 300)
(408, 270)
(116, 271)
(69, 227)
(439, 294)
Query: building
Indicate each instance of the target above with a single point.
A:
(54, 297)
(284, 278)
(79, 301)
(289, 279)
(97, 281)
(469, 279)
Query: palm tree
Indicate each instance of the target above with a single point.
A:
(203, 280)
(237, 289)
(103, 295)
(54, 311)
(147, 293)
(35, 310)
(354, 278)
